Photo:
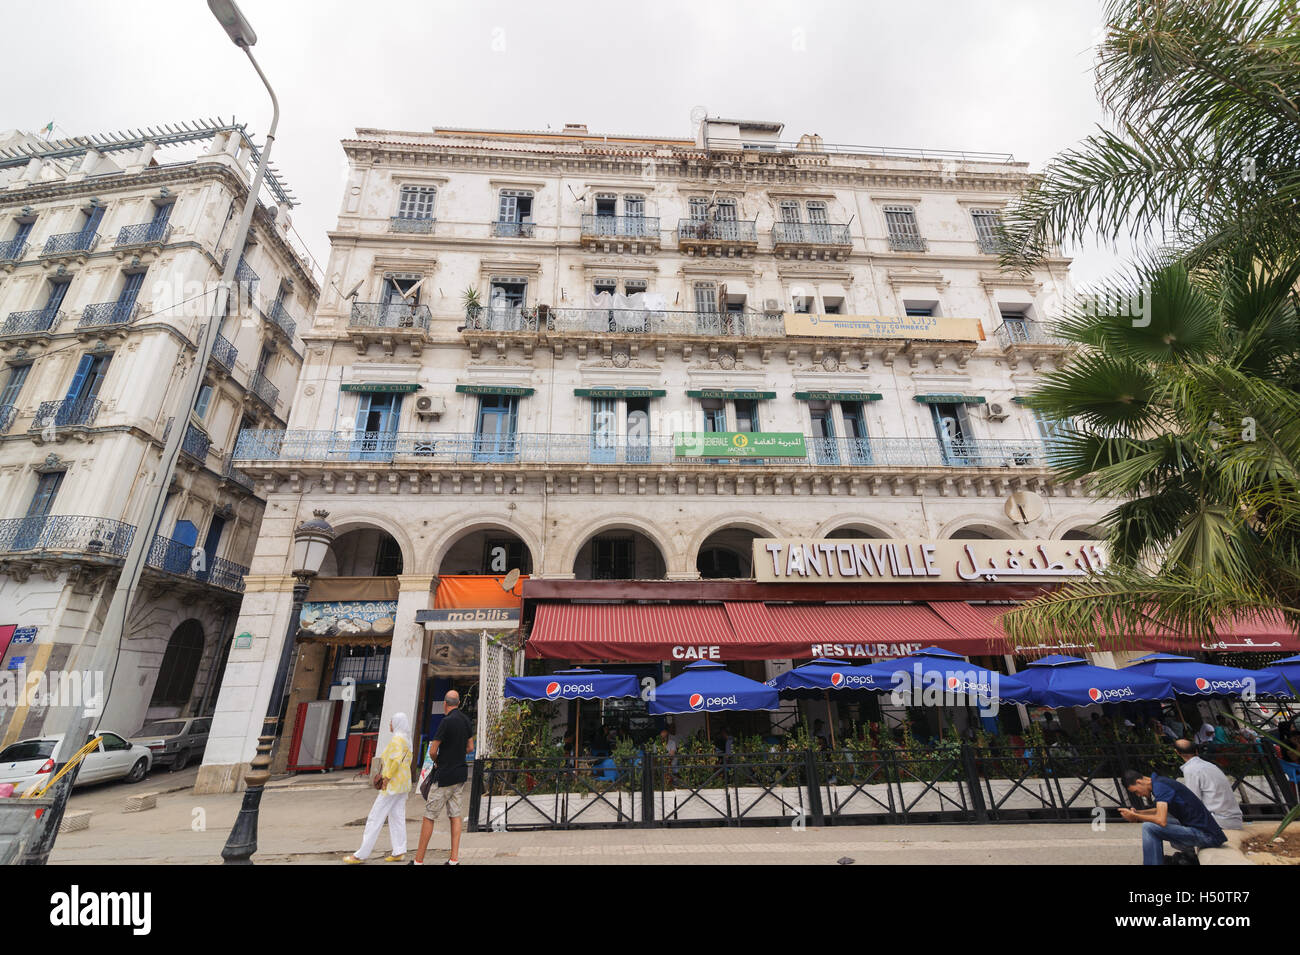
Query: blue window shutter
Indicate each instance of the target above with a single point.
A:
(161, 214)
(79, 379)
(24, 230)
(98, 369)
(57, 291)
(14, 386)
(130, 290)
(93, 220)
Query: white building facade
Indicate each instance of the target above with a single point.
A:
(110, 251)
(629, 294)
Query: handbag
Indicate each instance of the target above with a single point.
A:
(378, 781)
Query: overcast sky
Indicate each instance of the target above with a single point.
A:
(998, 75)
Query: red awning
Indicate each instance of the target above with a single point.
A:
(874, 630)
(641, 632)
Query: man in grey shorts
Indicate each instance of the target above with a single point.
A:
(451, 743)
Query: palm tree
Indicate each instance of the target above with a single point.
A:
(1204, 102)
(1189, 414)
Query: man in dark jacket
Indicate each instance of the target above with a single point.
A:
(1192, 828)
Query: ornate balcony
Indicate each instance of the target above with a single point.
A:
(236, 476)
(411, 224)
(66, 534)
(143, 234)
(388, 324)
(902, 242)
(68, 413)
(245, 278)
(107, 314)
(224, 353)
(620, 233)
(12, 251)
(513, 230)
(1034, 341)
(266, 392)
(183, 560)
(195, 443)
(811, 240)
(719, 237)
(265, 447)
(279, 317)
(75, 244)
(7, 415)
(38, 321)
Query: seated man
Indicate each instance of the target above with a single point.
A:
(1194, 828)
(1208, 783)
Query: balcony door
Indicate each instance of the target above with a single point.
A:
(855, 432)
(952, 428)
(84, 389)
(638, 430)
(93, 218)
(604, 430)
(818, 223)
(38, 509)
(376, 428)
(495, 438)
(823, 433)
(210, 544)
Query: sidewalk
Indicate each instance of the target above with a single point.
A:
(309, 821)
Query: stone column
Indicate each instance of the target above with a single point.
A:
(247, 683)
(406, 660)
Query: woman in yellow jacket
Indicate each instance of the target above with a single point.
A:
(390, 804)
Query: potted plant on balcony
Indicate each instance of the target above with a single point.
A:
(473, 306)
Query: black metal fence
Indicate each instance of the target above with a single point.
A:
(953, 783)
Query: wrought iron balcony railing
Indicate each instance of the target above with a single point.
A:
(516, 230)
(279, 316)
(245, 277)
(632, 321)
(66, 533)
(68, 413)
(810, 233)
(239, 477)
(184, 560)
(621, 227)
(718, 230)
(989, 245)
(108, 313)
(1012, 334)
(31, 322)
(7, 415)
(389, 315)
(224, 353)
(195, 442)
(12, 250)
(411, 224)
(502, 318)
(899, 242)
(436, 448)
(261, 386)
(68, 243)
(143, 233)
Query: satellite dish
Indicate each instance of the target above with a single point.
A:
(1023, 507)
(510, 580)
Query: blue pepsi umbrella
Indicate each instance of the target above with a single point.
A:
(951, 673)
(818, 679)
(1289, 670)
(575, 684)
(1191, 677)
(708, 687)
(1072, 681)
(578, 683)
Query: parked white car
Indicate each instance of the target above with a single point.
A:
(29, 763)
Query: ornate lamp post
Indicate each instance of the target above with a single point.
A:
(311, 541)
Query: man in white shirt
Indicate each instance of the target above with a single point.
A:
(1210, 786)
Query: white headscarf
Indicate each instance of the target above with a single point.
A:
(402, 727)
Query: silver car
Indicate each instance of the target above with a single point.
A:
(175, 742)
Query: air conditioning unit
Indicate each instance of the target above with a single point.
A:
(430, 406)
(771, 305)
(996, 412)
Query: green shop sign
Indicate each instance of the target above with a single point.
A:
(491, 390)
(380, 386)
(620, 392)
(739, 444)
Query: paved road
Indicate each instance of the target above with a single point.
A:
(311, 821)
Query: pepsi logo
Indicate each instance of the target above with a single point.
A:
(696, 701)
(953, 682)
(1202, 683)
(837, 679)
(1094, 694)
(552, 690)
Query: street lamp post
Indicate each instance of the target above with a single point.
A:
(311, 541)
(79, 722)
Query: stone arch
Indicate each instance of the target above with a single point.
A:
(482, 522)
(1078, 528)
(178, 671)
(839, 523)
(737, 553)
(993, 529)
(619, 522)
(359, 524)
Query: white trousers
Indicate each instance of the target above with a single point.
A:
(390, 809)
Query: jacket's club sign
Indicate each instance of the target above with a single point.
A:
(780, 560)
